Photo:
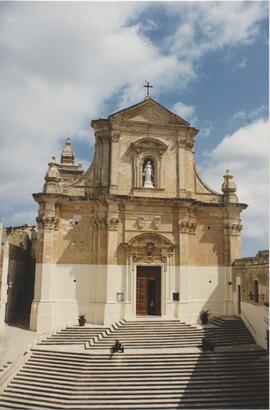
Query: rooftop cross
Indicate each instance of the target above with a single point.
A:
(147, 86)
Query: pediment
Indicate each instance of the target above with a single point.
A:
(151, 112)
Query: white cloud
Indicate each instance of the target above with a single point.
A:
(208, 26)
(245, 152)
(242, 63)
(149, 25)
(206, 129)
(62, 61)
(59, 63)
(187, 112)
(249, 116)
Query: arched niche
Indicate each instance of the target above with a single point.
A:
(150, 149)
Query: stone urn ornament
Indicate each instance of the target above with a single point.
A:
(204, 316)
(81, 320)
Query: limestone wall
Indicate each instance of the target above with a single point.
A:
(254, 308)
(17, 273)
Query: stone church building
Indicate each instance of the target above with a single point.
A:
(139, 233)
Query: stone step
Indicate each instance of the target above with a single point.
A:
(60, 379)
(243, 404)
(126, 362)
(172, 374)
(29, 383)
(150, 357)
(135, 396)
(85, 382)
(261, 382)
(136, 366)
(54, 399)
(216, 354)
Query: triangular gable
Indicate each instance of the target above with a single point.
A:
(149, 111)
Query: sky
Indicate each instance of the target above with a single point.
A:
(63, 64)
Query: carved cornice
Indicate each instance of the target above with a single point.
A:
(149, 144)
(187, 226)
(186, 144)
(233, 229)
(48, 222)
(181, 143)
(100, 223)
(113, 224)
(116, 137)
(150, 260)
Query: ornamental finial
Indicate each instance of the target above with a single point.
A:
(147, 86)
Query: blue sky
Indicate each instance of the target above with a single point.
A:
(64, 64)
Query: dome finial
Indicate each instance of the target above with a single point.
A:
(229, 187)
(67, 155)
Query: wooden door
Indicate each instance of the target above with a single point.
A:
(148, 292)
(142, 302)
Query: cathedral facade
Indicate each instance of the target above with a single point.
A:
(139, 233)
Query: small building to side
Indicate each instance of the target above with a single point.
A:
(17, 273)
(251, 294)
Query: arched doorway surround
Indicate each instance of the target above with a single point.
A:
(150, 266)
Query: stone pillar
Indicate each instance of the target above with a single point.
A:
(181, 168)
(98, 164)
(105, 162)
(114, 168)
(187, 225)
(43, 313)
(115, 280)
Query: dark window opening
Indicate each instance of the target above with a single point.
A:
(256, 291)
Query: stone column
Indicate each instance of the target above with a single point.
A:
(114, 168)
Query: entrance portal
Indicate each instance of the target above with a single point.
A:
(148, 290)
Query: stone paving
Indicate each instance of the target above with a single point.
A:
(14, 341)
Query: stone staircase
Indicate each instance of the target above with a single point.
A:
(73, 335)
(57, 380)
(169, 371)
(172, 334)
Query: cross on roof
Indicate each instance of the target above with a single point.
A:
(147, 86)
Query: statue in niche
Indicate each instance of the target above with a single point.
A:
(148, 175)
